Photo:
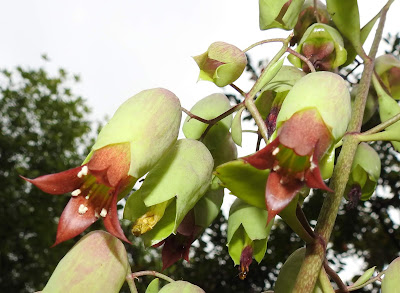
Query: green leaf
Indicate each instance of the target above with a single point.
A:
(346, 17)
(208, 207)
(153, 287)
(266, 77)
(181, 287)
(285, 79)
(251, 190)
(264, 103)
(237, 128)
(364, 277)
(391, 281)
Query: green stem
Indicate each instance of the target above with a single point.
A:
(262, 128)
(384, 135)
(131, 281)
(325, 282)
(370, 281)
(264, 42)
(304, 58)
(315, 254)
(335, 277)
(152, 273)
(383, 125)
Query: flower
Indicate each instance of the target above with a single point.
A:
(95, 187)
(221, 64)
(388, 68)
(314, 115)
(279, 13)
(137, 136)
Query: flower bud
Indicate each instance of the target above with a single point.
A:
(279, 13)
(150, 122)
(365, 172)
(391, 281)
(170, 190)
(222, 64)
(325, 91)
(96, 255)
(247, 234)
(181, 287)
(307, 18)
(323, 46)
(388, 68)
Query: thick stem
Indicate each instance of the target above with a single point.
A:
(315, 254)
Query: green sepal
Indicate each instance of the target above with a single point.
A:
(208, 207)
(181, 287)
(237, 128)
(364, 277)
(346, 17)
(266, 77)
(391, 281)
(264, 103)
(319, 33)
(285, 79)
(208, 108)
(94, 256)
(150, 122)
(325, 91)
(388, 66)
(327, 164)
(184, 173)
(222, 151)
(154, 286)
(270, 10)
(252, 189)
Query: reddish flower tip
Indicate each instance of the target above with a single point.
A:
(246, 258)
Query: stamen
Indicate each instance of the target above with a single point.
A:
(83, 172)
(96, 214)
(87, 196)
(76, 192)
(275, 151)
(82, 209)
(313, 166)
(103, 212)
(276, 168)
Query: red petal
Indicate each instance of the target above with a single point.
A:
(303, 131)
(263, 159)
(111, 221)
(72, 223)
(58, 183)
(175, 247)
(278, 195)
(313, 177)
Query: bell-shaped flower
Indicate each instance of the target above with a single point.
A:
(307, 17)
(279, 13)
(313, 117)
(221, 64)
(364, 175)
(247, 235)
(323, 46)
(139, 133)
(96, 255)
(177, 246)
(170, 191)
(391, 281)
(388, 68)
(181, 286)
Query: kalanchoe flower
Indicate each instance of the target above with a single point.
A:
(222, 64)
(279, 13)
(364, 175)
(307, 17)
(314, 115)
(123, 152)
(247, 235)
(388, 68)
(323, 46)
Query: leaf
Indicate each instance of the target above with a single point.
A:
(236, 128)
(391, 281)
(266, 77)
(346, 17)
(153, 287)
(252, 189)
(285, 79)
(365, 277)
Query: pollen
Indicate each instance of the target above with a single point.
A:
(96, 214)
(276, 168)
(82, 209)
(313, 166)
(103, 212)
(275, 151)
(76, 192)
(83, 172)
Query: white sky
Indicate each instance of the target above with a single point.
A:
(122, 47)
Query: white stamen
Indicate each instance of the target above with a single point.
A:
(103, 212)
(275, 151)
(281, 181)
(302, 178)
(82, 209)
(96, 214)
(276, 168)
(76, 192)
(87, 196)
(83, 172)
(313, 166)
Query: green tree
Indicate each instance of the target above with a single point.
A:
(44, 129)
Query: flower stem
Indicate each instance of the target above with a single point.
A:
(264, 42)
(305, 59)
(384, 135)
(131, 281)
(335, 277)
(315, 255)
(370, 281)
(383, 125)
(152, 273)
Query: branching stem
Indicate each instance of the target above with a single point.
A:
(303, 58)
(264, 42)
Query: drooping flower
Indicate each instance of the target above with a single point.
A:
(388, 68)
(314, 115)
(279, 13)
(139, 133)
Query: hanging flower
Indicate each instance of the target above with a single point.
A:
(124, 151)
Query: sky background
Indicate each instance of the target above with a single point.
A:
(120, 48)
